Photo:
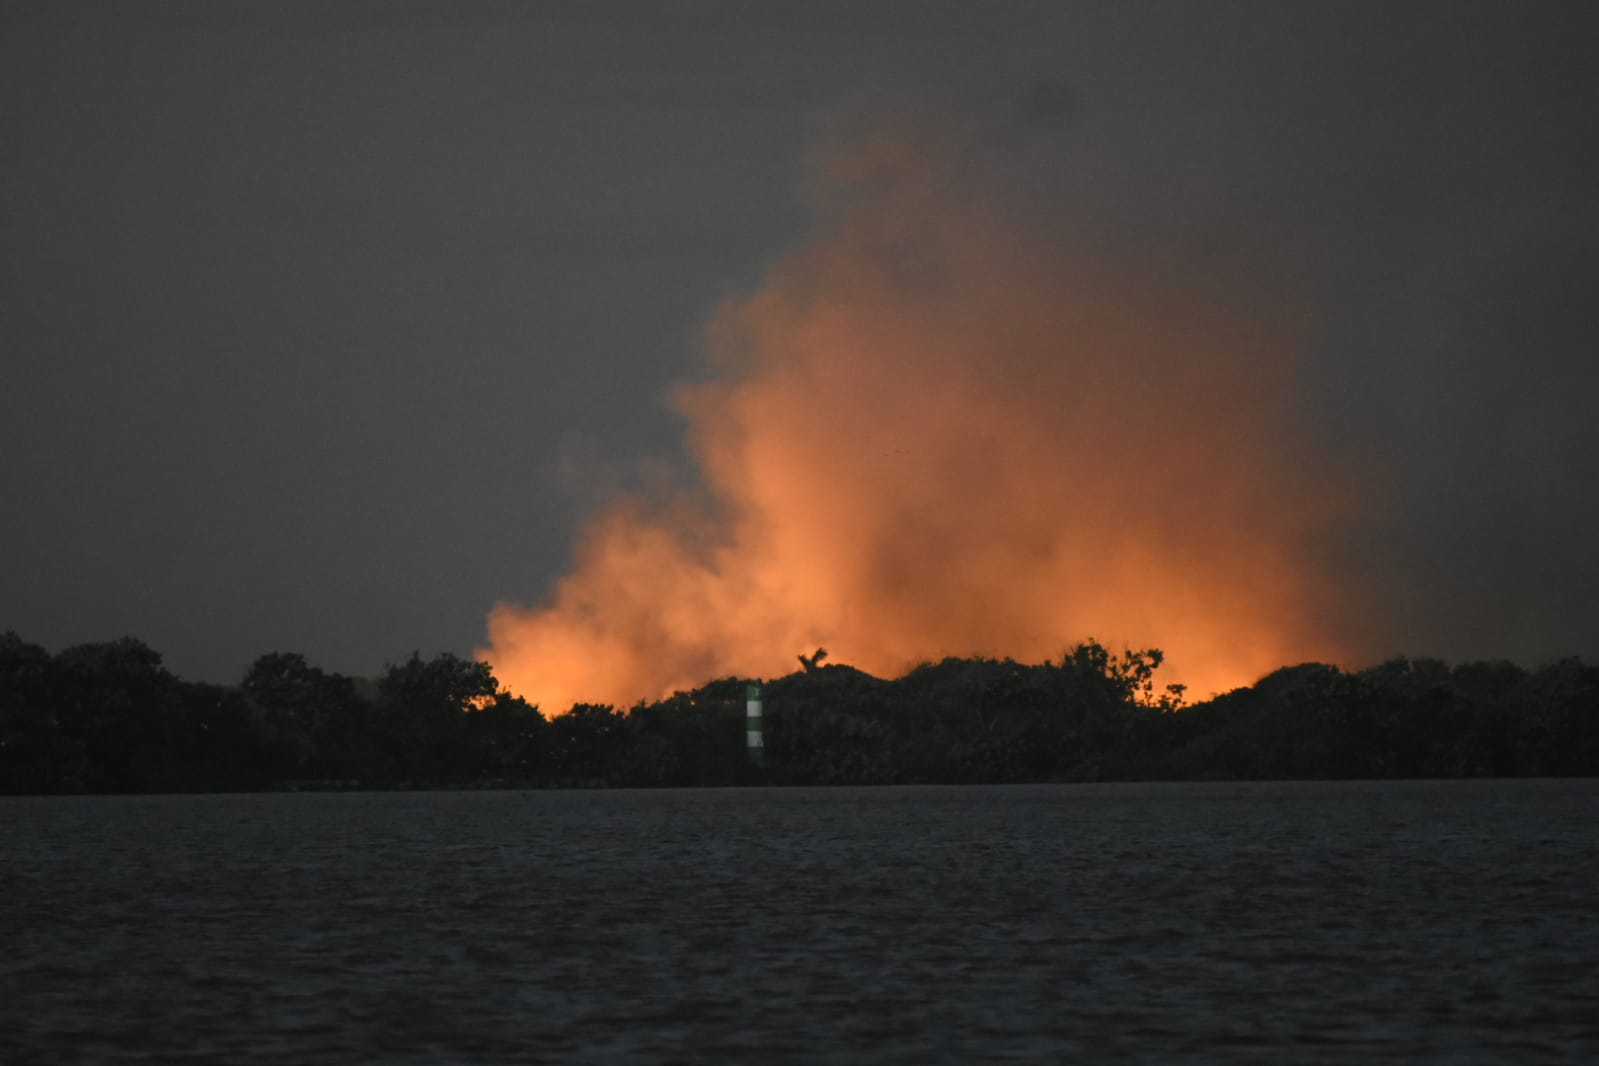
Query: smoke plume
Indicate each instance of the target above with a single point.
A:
(936, 430)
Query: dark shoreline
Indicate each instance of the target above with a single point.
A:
(110, 719)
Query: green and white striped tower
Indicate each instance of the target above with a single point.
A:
(752, 725)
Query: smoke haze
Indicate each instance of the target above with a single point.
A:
(944, 427)
(1256, 341)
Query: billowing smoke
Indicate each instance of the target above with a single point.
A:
(951, 423)
(1271, 337)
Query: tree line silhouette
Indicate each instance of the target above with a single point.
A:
(109, 717)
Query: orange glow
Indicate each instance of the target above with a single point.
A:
(929, 434)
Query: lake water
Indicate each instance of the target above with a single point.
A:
(1175, 922)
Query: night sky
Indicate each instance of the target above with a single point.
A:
(325, 326)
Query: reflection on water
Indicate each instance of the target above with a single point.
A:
(1370, 921)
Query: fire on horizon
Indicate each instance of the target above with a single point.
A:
(935, 430)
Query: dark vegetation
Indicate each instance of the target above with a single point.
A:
(110, 718)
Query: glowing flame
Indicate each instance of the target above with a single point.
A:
(930, 434)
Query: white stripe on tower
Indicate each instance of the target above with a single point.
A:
(752, 723)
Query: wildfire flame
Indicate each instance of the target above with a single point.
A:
(933, 433)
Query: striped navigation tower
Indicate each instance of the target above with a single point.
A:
(752, 725)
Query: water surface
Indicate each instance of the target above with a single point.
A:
(1258, 922)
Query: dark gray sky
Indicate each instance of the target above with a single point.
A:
(322, 325)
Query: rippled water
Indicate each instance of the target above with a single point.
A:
(1348, 921)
